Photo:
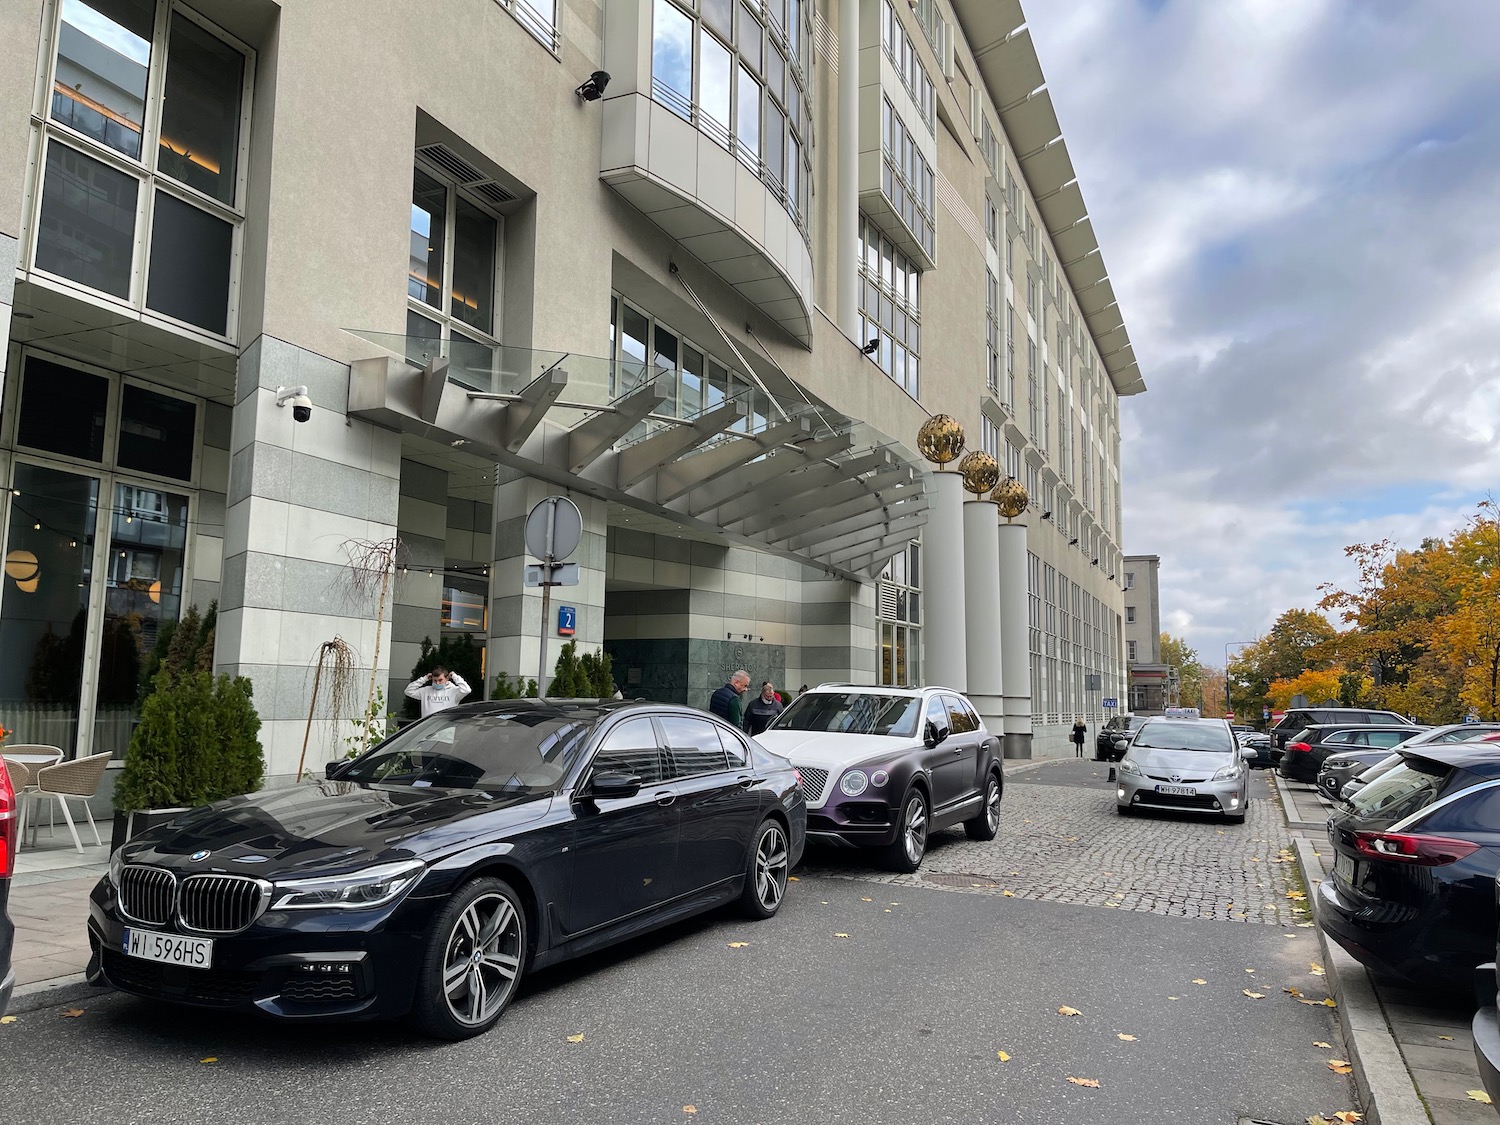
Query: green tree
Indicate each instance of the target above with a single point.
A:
(1176, 653)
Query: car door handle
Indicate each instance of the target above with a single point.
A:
(744, 782)
(665, 798)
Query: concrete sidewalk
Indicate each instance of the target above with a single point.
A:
(49, 897)
(1413, 1053)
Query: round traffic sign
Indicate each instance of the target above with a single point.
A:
(554, 528)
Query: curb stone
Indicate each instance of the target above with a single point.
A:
(51, 993)
(1386, 1090)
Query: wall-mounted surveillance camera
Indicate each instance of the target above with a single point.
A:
(593, 86)
(297, 396)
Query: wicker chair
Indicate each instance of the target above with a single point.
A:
(20, 781)
(78, 779)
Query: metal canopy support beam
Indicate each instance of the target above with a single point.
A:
(525, 414)
(637, 462)
(872, 516)
(591, 438)
(831, 500)
(809, 526)
(855, 544)
(721, 492)
(872, 563)
(800, 484)
(434, 379)
(688, 473)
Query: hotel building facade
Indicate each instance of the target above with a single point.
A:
(703, 266)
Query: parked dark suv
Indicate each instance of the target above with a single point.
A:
(1299, 717)
(1121, 726)
(1306, 750)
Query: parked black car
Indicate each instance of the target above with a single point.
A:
(429, 874)
(1344, 769)
(1306, 750)
(9, 838)
(1258, 741)
(1486, 1024)
(1415, 856)
(1120, 727)
(1299, 717)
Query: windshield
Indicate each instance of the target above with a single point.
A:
(1402, 790)
(1191, 735)
(521, 751)
(853, 712)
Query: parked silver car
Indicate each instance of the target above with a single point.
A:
(1188, 765)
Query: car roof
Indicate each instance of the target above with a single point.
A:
(1460, 755)
(879, 689)
(578, 708)
(1363, 726)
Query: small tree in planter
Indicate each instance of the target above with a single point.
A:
(197, 742)
(589, 676)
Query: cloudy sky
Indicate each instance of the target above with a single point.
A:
(1299, 205)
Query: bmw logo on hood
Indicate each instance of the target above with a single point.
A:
(201, 853)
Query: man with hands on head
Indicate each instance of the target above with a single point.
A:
(438, 689)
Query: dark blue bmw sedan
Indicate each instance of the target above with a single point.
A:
(428, 875)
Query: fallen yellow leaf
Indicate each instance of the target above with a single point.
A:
(1067, 1011)
(210, 1059)
(867, 900)
(1172, 998)
(1199, 980)
(690, 1109)
(1125, 1038)
(840, 935)
(1293, 991)
(1446, 1038)
(7, 1019)
(1091, 1083)
(789, 879)
(72, 1013)
(576, 1038)
(1348, 1116)
(1002, 1056)
(738, 944)
(1315, 969)
(1320, 1043)
(1253, 995)
(1249, 970)
(1479, 1096)
(1009, 894)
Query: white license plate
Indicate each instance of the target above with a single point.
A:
(1343, 867)
(1177, 790)
(171, 949)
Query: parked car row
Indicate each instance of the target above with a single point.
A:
(425, 877)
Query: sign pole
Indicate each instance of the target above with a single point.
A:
(541, 664)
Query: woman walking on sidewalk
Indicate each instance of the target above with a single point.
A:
(1080, 730)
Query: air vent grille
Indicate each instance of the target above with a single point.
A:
(492, 192)
(449, 161)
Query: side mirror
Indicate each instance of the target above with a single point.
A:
(613, 787)
(935, 734)
(1122, 743)
(331, 770)
(1249, 753)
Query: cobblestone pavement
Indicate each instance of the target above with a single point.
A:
(1061, 840)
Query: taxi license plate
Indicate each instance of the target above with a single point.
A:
(170, 949)
(1343, 867)
(1177, 790)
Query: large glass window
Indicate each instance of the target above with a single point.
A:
(907, 179)
(746, 88)
(899, 610)
(77, 431)
(157, 433)
(889, 307)
(144, 93)
(452, 273)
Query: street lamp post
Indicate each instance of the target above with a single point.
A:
(1228, 702)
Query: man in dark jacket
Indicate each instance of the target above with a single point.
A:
(725, 702)
(761, 710)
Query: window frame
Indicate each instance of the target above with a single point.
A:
(448, 324)
(145, 170)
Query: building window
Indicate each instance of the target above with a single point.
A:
(1130, 615)
(992, 331)
(453, 275)
(1130, 580)
(906, 179)
(1129, 650)
(899, 610)
(1013, 461)
(903, 55)
(990, 438)
(539, 17)
(142, 183)
(745, 86)
(1034, 398)
(889, 307)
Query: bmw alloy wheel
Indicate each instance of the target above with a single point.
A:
(771, 869)
(482, 959)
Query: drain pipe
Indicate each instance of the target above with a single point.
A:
(847, 210)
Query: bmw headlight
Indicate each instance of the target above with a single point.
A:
(116, 865)
(358, 890)
(1127, 766)
(854, 782)
(1227, 773)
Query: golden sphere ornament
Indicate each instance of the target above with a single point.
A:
(1010, 496)
(980, 471)
(941, 439)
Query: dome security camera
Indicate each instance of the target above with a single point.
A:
(297, 396)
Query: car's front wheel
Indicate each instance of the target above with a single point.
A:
(986, 823)
(770, 864)
(905, 852)
(475, 955)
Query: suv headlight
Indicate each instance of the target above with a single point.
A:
(1227, 773)
(358, 890)
(1127, 766)
(854, 782)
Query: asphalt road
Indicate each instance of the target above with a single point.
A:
(862, 1001)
